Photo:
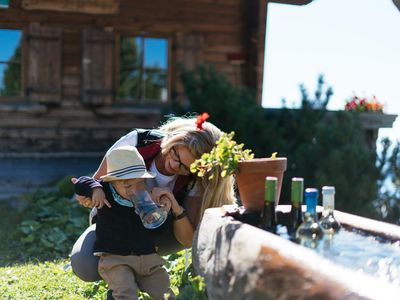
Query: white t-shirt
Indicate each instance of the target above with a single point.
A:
(160, 180)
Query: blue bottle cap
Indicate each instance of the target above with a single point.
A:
(311, 195)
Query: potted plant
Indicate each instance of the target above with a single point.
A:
(228, 157)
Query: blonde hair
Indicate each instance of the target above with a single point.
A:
(183, 131)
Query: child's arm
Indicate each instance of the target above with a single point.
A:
(91, 191)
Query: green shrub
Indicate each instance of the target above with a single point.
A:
(51, 223)
(388, 202)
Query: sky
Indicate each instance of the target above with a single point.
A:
(355, 44)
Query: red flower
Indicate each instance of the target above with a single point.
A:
(201, 119)
(364, 104)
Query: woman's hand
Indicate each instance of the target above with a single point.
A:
(183, 228)
(165, 203)
(84, 201)
(164, 196)
(98, 198)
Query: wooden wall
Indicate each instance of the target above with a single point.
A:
(199, 32)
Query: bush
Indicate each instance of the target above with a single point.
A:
(388, 203)
(51, 223)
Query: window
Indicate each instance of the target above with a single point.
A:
(4, 3)
(143, 71)
(10, 62)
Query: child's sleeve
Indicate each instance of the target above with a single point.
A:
(84, 186)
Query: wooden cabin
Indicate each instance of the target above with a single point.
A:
(82, 73)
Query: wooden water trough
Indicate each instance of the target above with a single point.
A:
(240, 261)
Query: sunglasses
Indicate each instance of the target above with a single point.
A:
(182, 167)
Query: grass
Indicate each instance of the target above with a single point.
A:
(34, 247)
(46, 280)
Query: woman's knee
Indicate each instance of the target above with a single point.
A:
(83, 262)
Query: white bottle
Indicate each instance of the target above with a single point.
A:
(328, 222)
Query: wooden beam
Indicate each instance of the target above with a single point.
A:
(292, 2)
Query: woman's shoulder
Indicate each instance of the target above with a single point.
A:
(148, 136)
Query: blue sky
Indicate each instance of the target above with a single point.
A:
(156, 52)
(354, 43)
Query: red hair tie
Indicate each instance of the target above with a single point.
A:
(201, 119)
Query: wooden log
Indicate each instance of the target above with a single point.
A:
(239, 261)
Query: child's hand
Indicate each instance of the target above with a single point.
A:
(84, 201)
(98, 198)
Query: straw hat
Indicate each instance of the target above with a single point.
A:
(125, 163)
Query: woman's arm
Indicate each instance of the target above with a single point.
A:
(183, 228)
(192, 205)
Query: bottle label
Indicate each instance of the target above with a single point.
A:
(270, 189)
(328, 202)
(297, 190)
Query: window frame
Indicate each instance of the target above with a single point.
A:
(134, 101)
(21, 97)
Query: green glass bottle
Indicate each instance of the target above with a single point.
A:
(296, 214)
(268, 217)
(328, 222)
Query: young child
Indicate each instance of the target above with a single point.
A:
(128, 258)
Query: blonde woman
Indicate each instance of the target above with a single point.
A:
(168, 153)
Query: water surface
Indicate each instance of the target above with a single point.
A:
(364, 254)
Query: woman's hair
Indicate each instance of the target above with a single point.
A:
(183, 131)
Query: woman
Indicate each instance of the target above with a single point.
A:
(168, 153)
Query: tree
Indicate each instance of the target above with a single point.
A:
(129, 75)
(12, 75)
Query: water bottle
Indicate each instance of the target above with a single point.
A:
(310, 232)
(328, 222)
(151, 215)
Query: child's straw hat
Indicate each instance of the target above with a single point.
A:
(125, 163)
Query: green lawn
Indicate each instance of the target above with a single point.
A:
(46, 280)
